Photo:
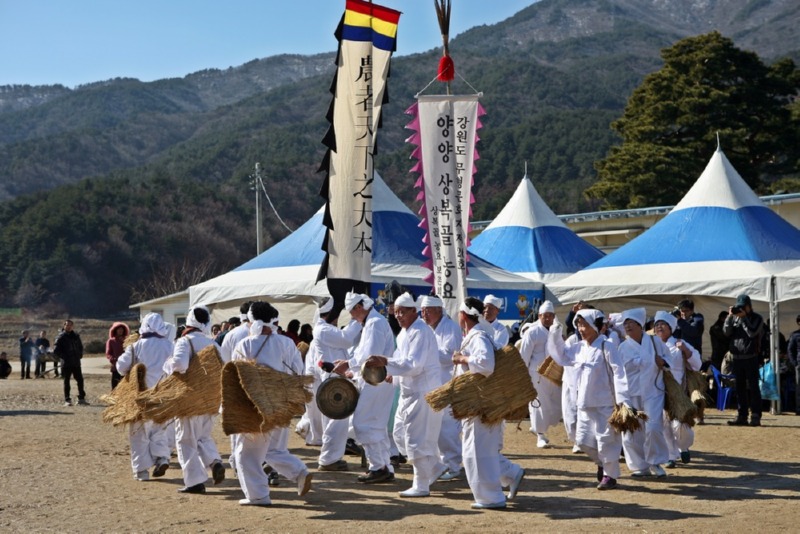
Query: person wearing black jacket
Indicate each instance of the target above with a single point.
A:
(745, 330)
(793, 351)
(69, 349)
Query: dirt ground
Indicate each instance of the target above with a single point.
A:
(63, 470)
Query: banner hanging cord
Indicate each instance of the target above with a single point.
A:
(436, 79)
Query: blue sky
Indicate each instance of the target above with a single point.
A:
(72, 42)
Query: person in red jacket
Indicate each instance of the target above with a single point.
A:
(114, 349)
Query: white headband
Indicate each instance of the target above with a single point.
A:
(547, 307)
(589, 315)
(350, 301)
(327, 307)
(405, 301)
(472, 312)
(192, 321)
(494, 301)
(431, 301)
(668, 318)
(635, 314)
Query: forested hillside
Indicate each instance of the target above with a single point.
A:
(168, 161)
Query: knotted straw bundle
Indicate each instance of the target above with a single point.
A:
(132, 338)
(550, 370)
(122, 408)
(502, 395)
(257, 399)
(303, 348)
(626, 419)
(195, 392)
(697, 385)
(677, 403)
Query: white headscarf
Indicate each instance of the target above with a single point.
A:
(668, 318)
(256, 326)
(322, 309)
(192, 321)
(153, 323)
(351, 299)
(547, 307)
(635, 314)
(589, 316)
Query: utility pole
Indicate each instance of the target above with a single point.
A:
(257, 184)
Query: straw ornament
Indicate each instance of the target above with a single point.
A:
(122, 408)
(697, 385)
(626, 419)
(502, 395)
(677, 403)
(195, 392)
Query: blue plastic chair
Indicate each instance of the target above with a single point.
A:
(723, 392)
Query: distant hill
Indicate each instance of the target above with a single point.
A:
(554, 76)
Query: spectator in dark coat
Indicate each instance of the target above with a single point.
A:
(69, 349)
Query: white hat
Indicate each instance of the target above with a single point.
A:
(326, 307)
(615, 319)
(547, 307)
(668, 318)
(431, 301)
(405, 301)
(589, 315)
(351, 299)
(635, 314)
(497, 302)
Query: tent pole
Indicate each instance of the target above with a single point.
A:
(774, 349)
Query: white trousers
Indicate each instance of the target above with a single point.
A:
(600, 442)
(148, 443)
(545, 411)
(334, 440)
(196, 447)
(679, 437)
(450, 441)
(253, 449)
(647, 446)
(370, 423)
(569, 412)
(481, 453)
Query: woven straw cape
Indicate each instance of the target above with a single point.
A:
(697, 386)
(677, 403)
(504, 394)
(122, 408)
(257, 399)
(195, 392)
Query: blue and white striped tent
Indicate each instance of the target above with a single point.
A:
(720, 240)
(286, 273)
(528, 239)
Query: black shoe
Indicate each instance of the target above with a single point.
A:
(217, 472)
(197, 488)
(755, 422)
(600, 473)
(738, 422)
(375, 477)
(341, 465)
(352, 448)
(267, 468)
(397, 460)
(273, 479)
(161, 468)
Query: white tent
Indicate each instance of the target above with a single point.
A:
(286, 273)
(720, 241)
(528, 239)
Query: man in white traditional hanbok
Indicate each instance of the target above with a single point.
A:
(600, 384)
(371, 418)
(148, 439)
(448, 340)
(268, 348)
(330, 343)
(491, 309)
(415, 365)
(486, 468)
(545, 411)
(643, 354)
(196, 448)
(682, 355)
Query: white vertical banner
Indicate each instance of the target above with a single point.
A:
(446, 135)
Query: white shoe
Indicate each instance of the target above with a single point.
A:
(414, 492)
(142, 476)
(658, 471)
(514, 487)
(642, 473)
(576, 449)
(257, 502)
(542, 442)
(451, 475)
(304, 483)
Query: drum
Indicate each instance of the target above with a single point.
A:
(337, 397)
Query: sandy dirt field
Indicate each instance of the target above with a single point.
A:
(63, 470)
